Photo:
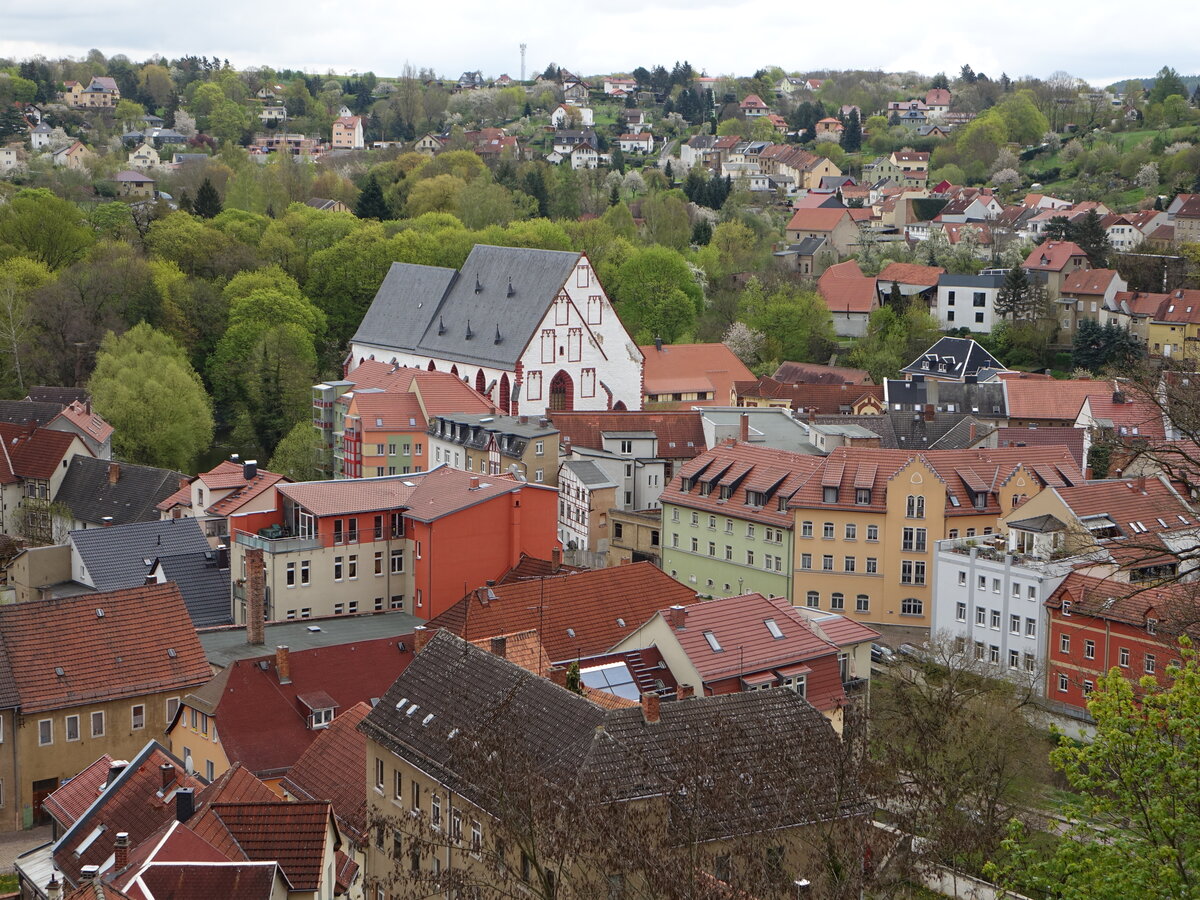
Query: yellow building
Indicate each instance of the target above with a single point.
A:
(866, 521)
(81, 677)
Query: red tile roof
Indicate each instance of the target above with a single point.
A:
(228, 475)
(911, 273)
(1190, 208)
(1130, 503)
(88, 421)
(206, 880)
(292, 834)
(1071, 438)
(822, 399)
(262, 723)
(815, 373)
(31, 452)
(1053, 256)
(1089, 282)
(588, 604)
(71, 801)
(817, 219)
(442, 392)
(845, 289)
(1035, 398)
(334, 768)
(1181, 306)
(143, 643)
(1132, 418)
(689, 368)
(1174, 605)
(680, 433)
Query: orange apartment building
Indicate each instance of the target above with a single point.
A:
(865, 523)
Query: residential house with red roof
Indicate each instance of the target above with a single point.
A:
(408, 542)
(804, 168)
(575, 614)
(1033, 401)
(1124, 417)
(1097, 625)
(726, 525)
(1084, 294)
(374, 422)
(752, 107)
(347, 133)
(535, 327)
(866, 521)
(910, 279)
(850, 296)
(691, 375)
(214, 498)
(1052, 262)
(1184, 215)
(265, 712)
(33, 464)
(812, 399)
(1174, 329)
(83, 676)
(752, 643)
(937, 101)
(643, 439)
(812, 232)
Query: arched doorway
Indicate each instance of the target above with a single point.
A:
(504, 394)
(562, 392)
(432, 367)
(480, 383)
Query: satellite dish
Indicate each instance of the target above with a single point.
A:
(187, 763)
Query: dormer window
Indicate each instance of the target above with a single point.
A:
(321, 718)
(831, 495)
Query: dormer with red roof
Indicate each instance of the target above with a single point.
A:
(233, 488)
(1086, 294)
(33, 464)
(753, 106)
(1053, 261)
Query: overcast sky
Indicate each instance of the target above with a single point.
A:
(1099, 40)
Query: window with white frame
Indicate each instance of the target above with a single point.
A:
(45, 732)
(137, 716)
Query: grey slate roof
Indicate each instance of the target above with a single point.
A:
(427, 310)
(589, 473)
(204, 586)
(991, 280)
(1043, 524)
(63, 396)
(21, 412)
(224, 646)
(121, 556)
(962, 358)
(464, 696)
(984, 400)
(86, 491)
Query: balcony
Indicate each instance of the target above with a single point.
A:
(856, 686)
(280, 544)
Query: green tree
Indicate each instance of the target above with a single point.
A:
(19, 278)
(371, 204)
(657, 294)
(1014, 294)
(617, 160)
(852, 135)
(37, 224)
(1097, 347)
(296, 455)
(1166, 84)
(145, 387)
(208, 202)
(12, 123)
(1134, 808)
(229, 121)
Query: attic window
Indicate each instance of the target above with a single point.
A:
(99, 613)
(171, 652)
(425, 721)
(320, 718)
(570, 632)
(378, 422)
(773, 627)
(713, 643)
(59, 671)
(620, 623)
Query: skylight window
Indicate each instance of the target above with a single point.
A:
(773, 627)
(713, 643)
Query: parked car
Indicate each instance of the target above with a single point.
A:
(881, 654)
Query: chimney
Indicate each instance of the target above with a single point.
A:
(87, 407)
(524, 420)
(744, 428)
(684, 691)
(500, 646)
(283, 664)
(250, 469)
(114, 472)
(121, 851)
(184, 482)
(971, 433)
(185, 803)
(168, 774)
(1141, 484)
(658, 344)
(222, 557)
(558, 674)
(53, 888)
(555, 559)
(115, 768)
(150, 579)
(1118, 397)
(420, 638)
(650, 708)
(88, 874)
(474, 484)
(678, 616)
(256, 580)
(929, 411)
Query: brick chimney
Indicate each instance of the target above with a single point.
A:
(420, 638)
(184, 482)
(500, 646)
(256, 584)
(558, 674)
(650, 708)
(678, 616)
(744, 428)
(684, 691)
(168, 774)
(971, 433)
(929, 412)
(555, 559)
(474, 483)
(88, 874)
(114, 472)
(283, 664)
(121, 851)
(1140, 484)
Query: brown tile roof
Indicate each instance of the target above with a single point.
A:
(962, 471)
(88, 421)
(574, 615)
(1190, 208)
(71, 801)
(291, 834)
(97, 891)
(817, 219)
(31, 452)
(531, 567)
(1181, 306)
(1089, 282)
(262, 723)
(822, 399)
(815, 373)
(143, 643)
(442, 392)
(1035, 398)
(207, 880)
(1071, 438)
(845, 289)
(1052, 256)
(911, 273)
(1131, 503)
(1132, 418)
(680, 433)
(334, 768)
(686, 368)
(1174, 605)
